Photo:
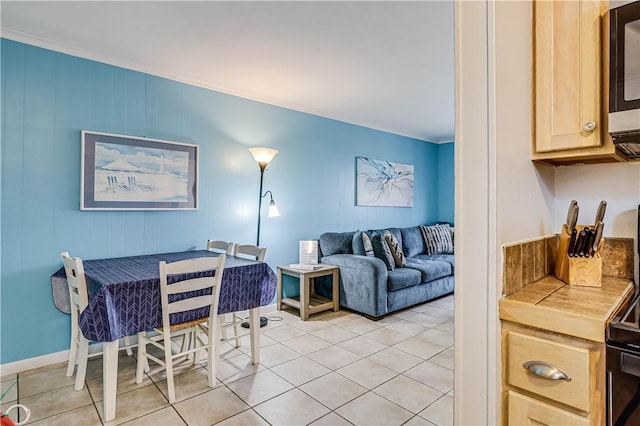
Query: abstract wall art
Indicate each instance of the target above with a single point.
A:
(383, 183)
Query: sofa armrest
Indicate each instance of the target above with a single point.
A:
(363, 283)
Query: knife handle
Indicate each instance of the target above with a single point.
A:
(588, 248)
(572, 241)
(578, 244)
(585, 242)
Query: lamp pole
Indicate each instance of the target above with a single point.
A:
(263, 166)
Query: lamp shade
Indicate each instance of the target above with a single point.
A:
(263, 155)
(273, 209)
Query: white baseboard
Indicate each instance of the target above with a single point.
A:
(41, 361)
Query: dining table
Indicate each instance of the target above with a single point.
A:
(124, 299)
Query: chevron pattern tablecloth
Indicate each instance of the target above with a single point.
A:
(124, 293)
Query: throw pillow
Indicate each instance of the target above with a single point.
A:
(437, 239)
(366, 243)
(356, 243)
(396, 250)
(382, 251)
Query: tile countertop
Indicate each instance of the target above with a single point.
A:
(553, 305)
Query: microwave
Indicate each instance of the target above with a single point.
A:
(622, 26)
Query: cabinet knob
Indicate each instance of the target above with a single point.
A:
(589, 126)
(546, 370)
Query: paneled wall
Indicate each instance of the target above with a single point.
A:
(48, 98)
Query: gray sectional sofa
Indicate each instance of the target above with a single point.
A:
(368, 287)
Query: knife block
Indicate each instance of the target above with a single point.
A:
(581, 271)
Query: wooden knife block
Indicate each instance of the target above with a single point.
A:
(579, 271)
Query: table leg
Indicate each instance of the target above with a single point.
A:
(305, 286)
(254, 334)
(110, 378)
(279, 290)
(336, 291)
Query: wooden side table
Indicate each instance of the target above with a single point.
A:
(309, 302)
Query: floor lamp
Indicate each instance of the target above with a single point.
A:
(263, 157)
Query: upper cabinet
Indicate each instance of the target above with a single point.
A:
(569, 84)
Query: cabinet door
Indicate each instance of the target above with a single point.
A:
(528, 411)
(567, 75)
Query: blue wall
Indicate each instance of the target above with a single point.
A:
(49, 97)
(446, 182)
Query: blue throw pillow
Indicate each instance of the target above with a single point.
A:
(382, 251)
(357, 244)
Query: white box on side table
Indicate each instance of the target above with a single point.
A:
(309, 302)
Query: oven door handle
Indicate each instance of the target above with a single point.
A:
(546, 370)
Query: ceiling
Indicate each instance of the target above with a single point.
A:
(387, 65)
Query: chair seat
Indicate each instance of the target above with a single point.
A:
(185, 324)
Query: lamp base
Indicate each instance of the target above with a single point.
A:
(263, 322)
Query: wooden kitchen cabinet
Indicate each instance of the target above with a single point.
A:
(553, 351)
(570, 84)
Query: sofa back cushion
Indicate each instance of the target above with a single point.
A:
(336, 243)
(412, 241)
(395, 231)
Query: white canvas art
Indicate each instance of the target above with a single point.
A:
(383, 183)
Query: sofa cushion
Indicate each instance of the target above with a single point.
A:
(449, 258)
(382, 251)
(430, 269)
(437, 239)
(336, 243)
(403, 278)
(396, 249)
(412, 241)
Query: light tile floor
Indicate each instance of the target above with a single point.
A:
(337, 368)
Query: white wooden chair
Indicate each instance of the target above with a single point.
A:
(220, 246)
(250, 252)
(169, 331)
(79, 299)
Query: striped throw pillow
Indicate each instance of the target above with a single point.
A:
(396, 249)
(366, 243)
(437, 239)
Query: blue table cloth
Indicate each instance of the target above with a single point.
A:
(124, 293)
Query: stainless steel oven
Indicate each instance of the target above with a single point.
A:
(623, 367)
(623, 362)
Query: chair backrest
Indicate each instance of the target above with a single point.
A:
(187, 267)
(248, 250)
(220, 246)
(77, 282)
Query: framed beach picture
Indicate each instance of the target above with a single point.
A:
(383, 183)
(133, 173)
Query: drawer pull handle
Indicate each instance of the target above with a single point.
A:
(546, 370)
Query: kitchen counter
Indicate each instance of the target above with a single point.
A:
(553, 305)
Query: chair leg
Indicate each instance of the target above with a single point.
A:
(127, 342)
(213, 353)
(82, 356)
(143, 363)
(223, 330)
(236, 328)
(168, 365)
(73, 347)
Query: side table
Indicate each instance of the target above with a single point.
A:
(309, 302)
